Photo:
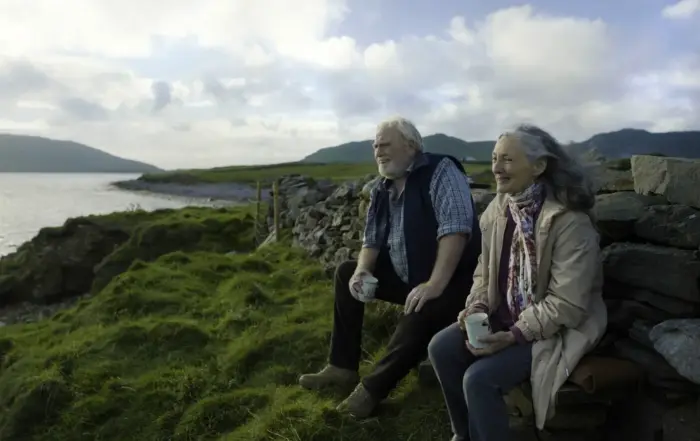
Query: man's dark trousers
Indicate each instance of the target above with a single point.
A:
(409, 342)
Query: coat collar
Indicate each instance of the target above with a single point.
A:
(551, 208)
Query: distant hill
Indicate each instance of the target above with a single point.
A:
(627, 142)
(620, 144)
(20, 154)
(361, 151)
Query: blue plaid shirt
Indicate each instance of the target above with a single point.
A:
(451, 199)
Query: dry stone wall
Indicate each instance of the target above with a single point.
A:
(651, 257)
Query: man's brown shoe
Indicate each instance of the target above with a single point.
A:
(329, 376)
(359, 403)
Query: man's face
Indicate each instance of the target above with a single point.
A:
(393, 154)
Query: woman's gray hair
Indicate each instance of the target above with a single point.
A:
(565, 175)
(406, 128)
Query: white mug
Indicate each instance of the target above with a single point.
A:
(477, 326)
(368, 288)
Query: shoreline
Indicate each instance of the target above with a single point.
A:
(211, 195)
(231, 192)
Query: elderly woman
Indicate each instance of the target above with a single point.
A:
(539, 279)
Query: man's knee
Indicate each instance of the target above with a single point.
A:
(412, 333)
(345, 270)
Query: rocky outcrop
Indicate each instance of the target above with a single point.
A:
(63, 263)
(650, 242)
(58, 263)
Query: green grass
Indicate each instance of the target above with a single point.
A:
(268, 173)
(191, 229)
(198, 346)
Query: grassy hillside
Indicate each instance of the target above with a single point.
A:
(198, 346)
(19, 153)
(267, 173)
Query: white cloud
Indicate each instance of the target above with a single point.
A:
(183, 83)
(128, 28)
(682, 10)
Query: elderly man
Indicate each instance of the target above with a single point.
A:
(422, 242)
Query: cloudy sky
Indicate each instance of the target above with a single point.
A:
(185, 83)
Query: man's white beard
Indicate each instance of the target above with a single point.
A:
(392, 170)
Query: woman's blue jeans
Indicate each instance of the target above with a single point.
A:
(474, 387)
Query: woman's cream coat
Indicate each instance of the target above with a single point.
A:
(569, 316)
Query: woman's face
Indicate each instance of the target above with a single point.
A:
(511, 167)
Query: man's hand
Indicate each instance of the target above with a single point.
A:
(419, 295)
(495, 343)
(355, 283)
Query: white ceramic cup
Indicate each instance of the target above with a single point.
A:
(477, 326)
(369, 286)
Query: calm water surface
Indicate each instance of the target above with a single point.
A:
(30, 201)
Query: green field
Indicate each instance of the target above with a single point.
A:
(197, 345)
(268, 173)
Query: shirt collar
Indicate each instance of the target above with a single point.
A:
(420, 160)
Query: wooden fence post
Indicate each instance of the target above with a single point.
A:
(276, 213)
(258, 201)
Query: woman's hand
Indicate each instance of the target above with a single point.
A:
(460, 320)
(494, 343)
(467, 311)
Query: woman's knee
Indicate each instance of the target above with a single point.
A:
(503, 370)
(478, 375)
(445, 343)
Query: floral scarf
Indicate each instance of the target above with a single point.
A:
(522, 269)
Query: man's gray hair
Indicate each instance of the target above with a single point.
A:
(406, 128)
(565, 174)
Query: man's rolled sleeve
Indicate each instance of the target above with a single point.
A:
(371, 235)
(451, 197)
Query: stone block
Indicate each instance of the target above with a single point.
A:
(616, 213)
(682, 424)
(671, 225)
(667, 271)
(678, 341)
(678, 179)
